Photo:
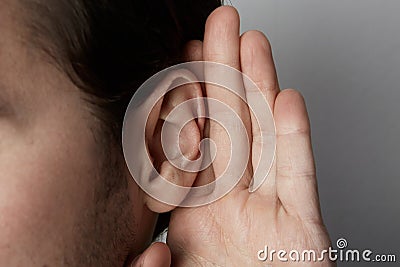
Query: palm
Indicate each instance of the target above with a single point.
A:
(284, 213)
(231, 231)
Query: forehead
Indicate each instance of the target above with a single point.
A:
(28, 78)
(16, 34)
(12, 51)
(12, 34)
(9, 11)
(15, 56)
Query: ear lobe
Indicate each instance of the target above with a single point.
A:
(180, 143)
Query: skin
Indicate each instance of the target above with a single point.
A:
(62, 203)
(67, 199)
(284, 213)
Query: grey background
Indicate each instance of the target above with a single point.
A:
(344, 57)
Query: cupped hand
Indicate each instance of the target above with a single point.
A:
(284, 213)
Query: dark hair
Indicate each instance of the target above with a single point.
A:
(110, 47)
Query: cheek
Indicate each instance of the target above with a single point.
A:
(47, 182)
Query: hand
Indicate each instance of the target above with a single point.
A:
(284, 213)
(156, 255)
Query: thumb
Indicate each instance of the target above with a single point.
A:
(157, 255)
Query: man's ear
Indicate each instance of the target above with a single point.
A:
(189, 133)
